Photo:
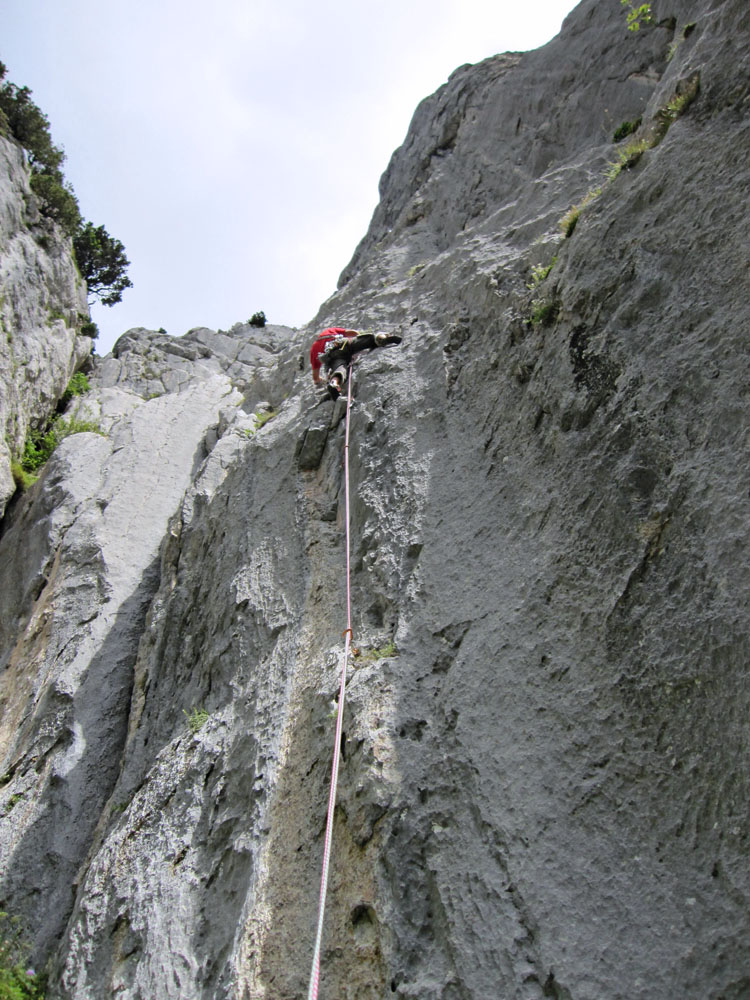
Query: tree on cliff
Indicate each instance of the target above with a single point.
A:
(29, 125)
(100, 257)
(102, 262)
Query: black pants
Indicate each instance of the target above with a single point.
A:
(337, 360)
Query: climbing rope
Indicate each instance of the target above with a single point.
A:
(315, 972)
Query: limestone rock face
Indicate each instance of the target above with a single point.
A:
(80, 565)
(544, 786)
(42, 305)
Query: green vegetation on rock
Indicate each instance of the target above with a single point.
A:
(630, 152)
(382, 653)
(40, 444)
(569, 221)
(637, 15)
(18, 981)
(196, 719)
(24, 480)
(625, 129)
(101, 258)
(78, 386)
(264, 417)
(544, 312)
(627, 156)
(89, 329)
(102, 262)
(539, 272)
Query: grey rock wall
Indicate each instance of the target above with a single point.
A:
(543, 791)
(80, 564)
(42, 305)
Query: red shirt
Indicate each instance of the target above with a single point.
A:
(320, 344)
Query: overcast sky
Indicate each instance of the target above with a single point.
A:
(235, 146)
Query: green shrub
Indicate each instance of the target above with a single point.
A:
(539, 272)
(78, 386)
(29, 126)
(17, 980)
(626, 129)
(40, 444)
(13, 801)
(637, 15)
(36, 451)
(58, 201)
(258, 319)
(89, 329)
(24, 480)
(543, 312)
(64, 428)
(196, 719)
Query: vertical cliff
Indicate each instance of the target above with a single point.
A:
(42, 306)
(544, 790)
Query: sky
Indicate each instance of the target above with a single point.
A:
(235, 146)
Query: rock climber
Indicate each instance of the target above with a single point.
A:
(335, 347)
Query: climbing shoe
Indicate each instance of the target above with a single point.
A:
(386, 339)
